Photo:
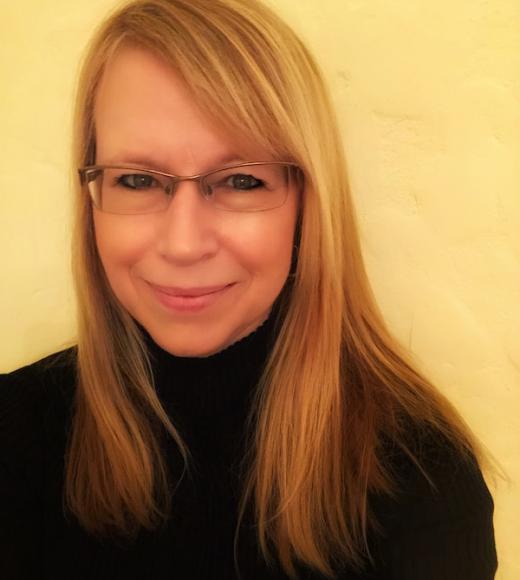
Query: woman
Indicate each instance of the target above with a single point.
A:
(235, 406)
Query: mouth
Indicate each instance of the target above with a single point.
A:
(189, 292)
(186, 304)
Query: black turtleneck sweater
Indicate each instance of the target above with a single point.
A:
(448, 536)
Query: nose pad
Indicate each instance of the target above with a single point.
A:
(170, 188)
(205, 189)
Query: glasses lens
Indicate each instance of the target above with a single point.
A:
(127, 191)
(249, 187)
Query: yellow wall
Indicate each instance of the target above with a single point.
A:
(428, 98)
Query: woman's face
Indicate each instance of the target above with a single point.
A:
(144, 117)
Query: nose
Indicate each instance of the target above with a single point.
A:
(187, 229)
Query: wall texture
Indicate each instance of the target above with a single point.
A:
(428, 99)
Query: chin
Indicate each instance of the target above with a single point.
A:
(187, 346)
(191, 352)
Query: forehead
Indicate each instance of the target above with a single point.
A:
(143, 106)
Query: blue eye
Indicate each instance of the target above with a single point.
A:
(137, 181)
(243, 181)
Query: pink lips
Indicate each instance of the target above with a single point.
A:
(176, 291)
(189, 300)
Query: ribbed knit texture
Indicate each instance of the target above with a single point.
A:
(428, 536)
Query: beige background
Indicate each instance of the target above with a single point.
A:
(428, 99)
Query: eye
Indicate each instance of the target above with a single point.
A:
(243, 181)
(138, 181)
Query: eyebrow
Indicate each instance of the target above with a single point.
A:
(148, 162)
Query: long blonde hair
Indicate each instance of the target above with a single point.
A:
(336, 383)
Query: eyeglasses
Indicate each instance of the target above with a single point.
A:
(246, 187)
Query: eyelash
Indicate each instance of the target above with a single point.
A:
(120, 181)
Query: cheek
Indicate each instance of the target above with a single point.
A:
(121, 242)
(270, 247)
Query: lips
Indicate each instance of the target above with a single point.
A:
(187, 292)
(177, 303)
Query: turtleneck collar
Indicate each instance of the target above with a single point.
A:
(209, 398)
(219, 383)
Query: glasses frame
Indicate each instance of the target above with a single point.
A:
(174, 180)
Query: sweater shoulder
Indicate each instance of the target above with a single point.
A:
(27, 388)
(34, 404)
(437, 482)
(48, 367)
(56, 369)
(32, 398)
(441, 513)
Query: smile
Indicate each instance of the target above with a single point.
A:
(169, 298)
